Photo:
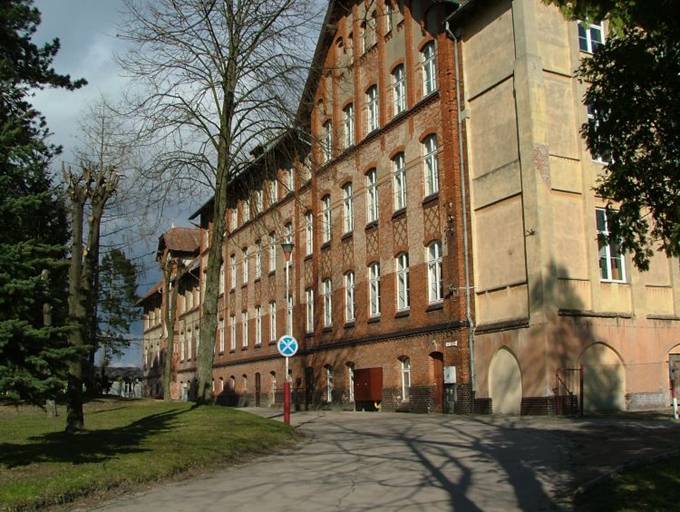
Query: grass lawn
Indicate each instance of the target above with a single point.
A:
(127, 443)
(653, 487)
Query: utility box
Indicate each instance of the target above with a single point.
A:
(449, 375)
(368, 386)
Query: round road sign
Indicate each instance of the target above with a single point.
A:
(287, 345)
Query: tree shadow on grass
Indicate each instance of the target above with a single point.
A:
(88, 447)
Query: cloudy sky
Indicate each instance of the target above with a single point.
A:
(87, 32)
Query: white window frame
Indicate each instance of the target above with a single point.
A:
(222, 278)
(182, 342)
(585, 35)
(374, 290)
(389, 17)
(347, 208)
(399, 165)
(258, 325)
(605, 251)
(402, 277)
(405, 378)
(309, 233)
(435, 284)
(349, 125)
(290, 180)
(431, 167)
(273, 191)
(399, 89)
(258, 259)
(233, 220)
(244, 329)
(372, 110)
(372, 196)
(327, 143)
(309, 308)
(350, 305)
(329, 384)
(221, 335)
(429, 60)
(272, 321)
(327, 217)
(232, 333)
(272, 253)
(244, 253)
(259, 201)
(350, 382)
(232, 269)
(246, 210)
(327, 303)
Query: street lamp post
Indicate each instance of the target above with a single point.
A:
(287, 247)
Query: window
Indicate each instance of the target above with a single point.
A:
(232, 333)
(402, 282)
(435, 284)
(309, 300)
(221, 285)
(309, 233)
(592, 120)
(288, 233)
(258, 259)
(405, 377)
(244, 329)
(349, 125)
(399, 182)
(258, 325)
(399, 89)
(350, 381)
(181, 346)
(273, 191)
(233, 222)
(389, 17)
(372, 196)
(327, 146)
(232, 270)
(221, 334)
(245, 265)
(431, 168)
(259, 201)
(290, 180)
(221, 384)
(429, 69)
(326, 213)
(289, 316)
(590, 37)
(372, 103)
(612, 263)
(272, 252)
(272, 321)
(348, 208)
(246, 210)
(349, 297)
(192, 342)
(374, 290)
(327, 304)
(329, 384)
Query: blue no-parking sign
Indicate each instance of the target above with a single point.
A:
(287, 346)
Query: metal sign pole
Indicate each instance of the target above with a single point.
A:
(286, 397)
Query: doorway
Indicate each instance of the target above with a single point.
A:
(437, 359)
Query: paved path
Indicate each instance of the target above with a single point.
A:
(406, 462)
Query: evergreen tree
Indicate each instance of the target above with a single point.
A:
(117, 302)
(33, 350)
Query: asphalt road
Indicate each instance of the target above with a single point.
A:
(407, 462)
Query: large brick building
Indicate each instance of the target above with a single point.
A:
(442, 218)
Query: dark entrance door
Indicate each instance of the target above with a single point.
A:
(258, 390)
(438, 381)
(674, 361)
(309, 386)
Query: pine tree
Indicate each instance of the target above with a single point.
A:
(33, 350)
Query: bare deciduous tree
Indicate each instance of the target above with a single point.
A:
(216, 79)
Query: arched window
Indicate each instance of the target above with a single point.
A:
(329, 383)
(349, 297)
(327, 305)
(428, 55)
(327, 142)
(273, 387)
(350, 381)
(309, 308)
(372, 110)
(374, 290)
(431, 169)
(347, 208)
(403, 301)
(372, 196)
(309, 233)
(405, 377)
(349, 125)
(434, 272)
(399, 171)
(326, 216)
(399, 89)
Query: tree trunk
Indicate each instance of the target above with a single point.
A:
(90, 280)
(76, 314)
(171, 302)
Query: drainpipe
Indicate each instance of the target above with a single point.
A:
(464, 208)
